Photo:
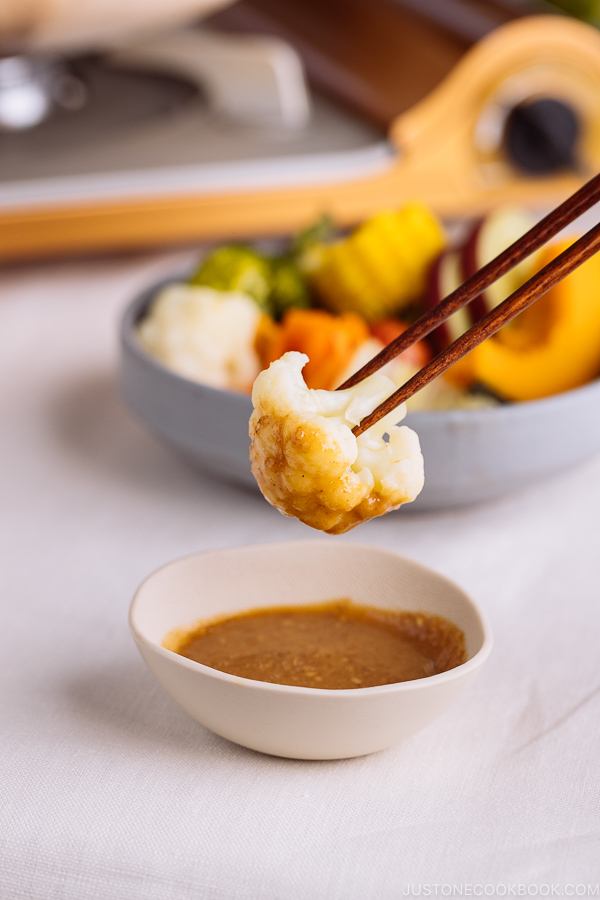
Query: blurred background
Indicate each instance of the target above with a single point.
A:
(111, 110)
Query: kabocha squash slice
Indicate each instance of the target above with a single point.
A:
(552, 347)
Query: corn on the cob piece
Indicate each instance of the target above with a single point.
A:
(380, 268)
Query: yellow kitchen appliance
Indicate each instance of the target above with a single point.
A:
(459, 149)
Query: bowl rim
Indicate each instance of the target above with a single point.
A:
(474, 662)
(507, 411)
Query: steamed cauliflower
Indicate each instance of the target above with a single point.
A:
(439, 394)
(204, 334)
(309, 464)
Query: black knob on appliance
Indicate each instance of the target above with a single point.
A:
(541, 136)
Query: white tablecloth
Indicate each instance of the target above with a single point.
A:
(109, 791)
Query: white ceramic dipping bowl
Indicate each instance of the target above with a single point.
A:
(297, 722)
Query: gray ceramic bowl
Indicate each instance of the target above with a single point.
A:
(470, 455)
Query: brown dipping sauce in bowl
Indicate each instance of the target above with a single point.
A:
(334, 645)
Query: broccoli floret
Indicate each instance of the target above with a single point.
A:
(289, 287)
(320, 232)
(237, 268)
(275, 283)
(308, 245)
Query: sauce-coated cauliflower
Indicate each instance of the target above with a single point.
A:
(309, 464)
(204, 334)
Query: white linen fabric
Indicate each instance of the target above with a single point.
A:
(109, 791)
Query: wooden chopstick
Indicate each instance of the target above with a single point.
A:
(518, 301)
(546, 228)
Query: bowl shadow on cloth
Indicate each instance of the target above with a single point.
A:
(122, 703)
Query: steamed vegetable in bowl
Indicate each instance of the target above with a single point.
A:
(340, 298)
(299, 324)
(472, 453)
(205, 335)
(380, 268)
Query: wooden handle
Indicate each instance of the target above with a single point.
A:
(439, 161)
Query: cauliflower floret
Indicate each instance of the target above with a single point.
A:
(398, 370)
(309, 464)
(204, 334)
(439, 394)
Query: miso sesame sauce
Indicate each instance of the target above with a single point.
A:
(335, 645)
